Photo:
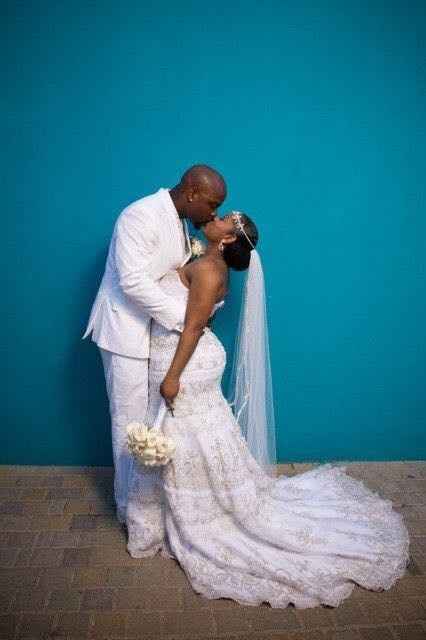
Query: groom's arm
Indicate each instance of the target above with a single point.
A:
(136, 242)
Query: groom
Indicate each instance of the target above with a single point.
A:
(150, 237)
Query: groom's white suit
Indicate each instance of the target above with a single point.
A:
(148, 240)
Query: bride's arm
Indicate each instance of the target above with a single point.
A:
(205, 284)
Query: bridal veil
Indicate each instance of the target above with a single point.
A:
(250, 386)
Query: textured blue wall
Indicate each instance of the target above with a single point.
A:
(315, 113)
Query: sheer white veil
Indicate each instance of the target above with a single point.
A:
(250, 386)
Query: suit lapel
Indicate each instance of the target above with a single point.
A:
(179, 242)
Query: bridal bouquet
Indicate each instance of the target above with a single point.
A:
(197, 247)
(149, 445)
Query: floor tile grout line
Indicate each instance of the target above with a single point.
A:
(401, 622)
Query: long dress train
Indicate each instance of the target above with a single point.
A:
(236, 532)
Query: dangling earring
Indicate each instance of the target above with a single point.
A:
(221, 246)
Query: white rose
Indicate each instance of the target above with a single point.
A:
(132, 427)
(136, 432)
(149, 453)
(197, 247)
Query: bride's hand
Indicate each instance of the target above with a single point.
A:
(169, 389)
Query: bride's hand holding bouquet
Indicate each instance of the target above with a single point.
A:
(148, 445)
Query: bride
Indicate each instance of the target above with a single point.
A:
(237, 529)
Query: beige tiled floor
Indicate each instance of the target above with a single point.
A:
(65, 571)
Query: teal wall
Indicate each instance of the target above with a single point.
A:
(314, 112)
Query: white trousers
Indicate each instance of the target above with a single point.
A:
(127, 387)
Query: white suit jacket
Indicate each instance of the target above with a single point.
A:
(148, 240)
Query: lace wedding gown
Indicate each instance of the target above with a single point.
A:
(236, 532)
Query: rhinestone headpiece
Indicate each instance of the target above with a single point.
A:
(236, 217)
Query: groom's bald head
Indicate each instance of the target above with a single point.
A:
(204, 177)
(200, 191)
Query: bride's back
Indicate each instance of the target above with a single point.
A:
(217, 269)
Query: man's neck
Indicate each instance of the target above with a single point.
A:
(176, 197)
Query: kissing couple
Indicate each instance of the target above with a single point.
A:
(218, 507)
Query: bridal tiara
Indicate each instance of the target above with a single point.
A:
(236, 216)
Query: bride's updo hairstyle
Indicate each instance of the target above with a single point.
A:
(237, 254)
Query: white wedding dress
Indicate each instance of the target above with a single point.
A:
(237, 532)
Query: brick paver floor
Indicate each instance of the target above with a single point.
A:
(65, 571)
